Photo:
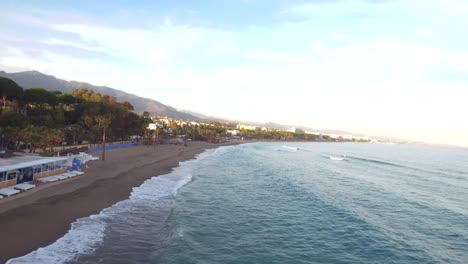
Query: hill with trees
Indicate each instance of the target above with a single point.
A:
(43, 119)
(30, 79)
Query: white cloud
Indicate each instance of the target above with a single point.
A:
(423, 32)
(294, 73)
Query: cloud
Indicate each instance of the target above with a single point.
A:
(377, 1)
(325, 70)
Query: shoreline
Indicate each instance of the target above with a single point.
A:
(39, 217)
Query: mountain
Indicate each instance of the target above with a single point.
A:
(199, 115)
(29, 79)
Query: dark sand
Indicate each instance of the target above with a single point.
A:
(39, 217)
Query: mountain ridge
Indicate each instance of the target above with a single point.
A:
(29, 79)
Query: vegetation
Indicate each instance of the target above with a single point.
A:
(216, 131)
(38, 118)
(278, 135)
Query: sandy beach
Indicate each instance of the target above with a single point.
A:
(39, 217)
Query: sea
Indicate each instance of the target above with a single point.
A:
(285, 203)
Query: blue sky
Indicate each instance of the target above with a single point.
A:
(382, 67)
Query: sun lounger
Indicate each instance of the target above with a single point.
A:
(66, 174)
(70, 175)
(77, 172)
(54, 178)
(62, 176)
(24, 186)
(49, 179)
(8, 191)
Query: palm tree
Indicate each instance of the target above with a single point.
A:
(74, 131)
(13, 137)
(32, 135)
(103, 122)
(54, 137)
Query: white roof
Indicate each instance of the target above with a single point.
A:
(19, 162)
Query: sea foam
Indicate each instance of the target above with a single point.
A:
(85, 234)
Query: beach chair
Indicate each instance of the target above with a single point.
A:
(8, 191)
(49, 179)
(62, 176)
(77, 173)
(24, 186)
(70, 175)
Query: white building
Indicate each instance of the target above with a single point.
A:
(233, 132)
(246, 127)
(154, 126)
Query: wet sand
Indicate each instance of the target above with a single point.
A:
(39, 217)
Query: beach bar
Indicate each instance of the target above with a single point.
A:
(21, 169)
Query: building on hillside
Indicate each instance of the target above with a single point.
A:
(165, 120)
(246, 127)
(154, 126)
(233, 132)
(180, 122)
(21, 111)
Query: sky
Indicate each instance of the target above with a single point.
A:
(394, 68)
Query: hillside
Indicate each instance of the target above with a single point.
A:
(30, 79)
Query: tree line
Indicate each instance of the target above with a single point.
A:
(37, 118)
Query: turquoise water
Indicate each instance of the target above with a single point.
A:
(286, 203)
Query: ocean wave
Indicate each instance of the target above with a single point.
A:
(86, 234)
(336, 158)
(289, 147)
(285, 148)
(430, 171)
(378, 162)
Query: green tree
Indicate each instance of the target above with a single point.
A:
(40, 96)
(8, 117)
(9, 90)
(66, 99)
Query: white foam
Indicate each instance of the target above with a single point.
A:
(290, 148)
(285, 148)
(87, 233)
